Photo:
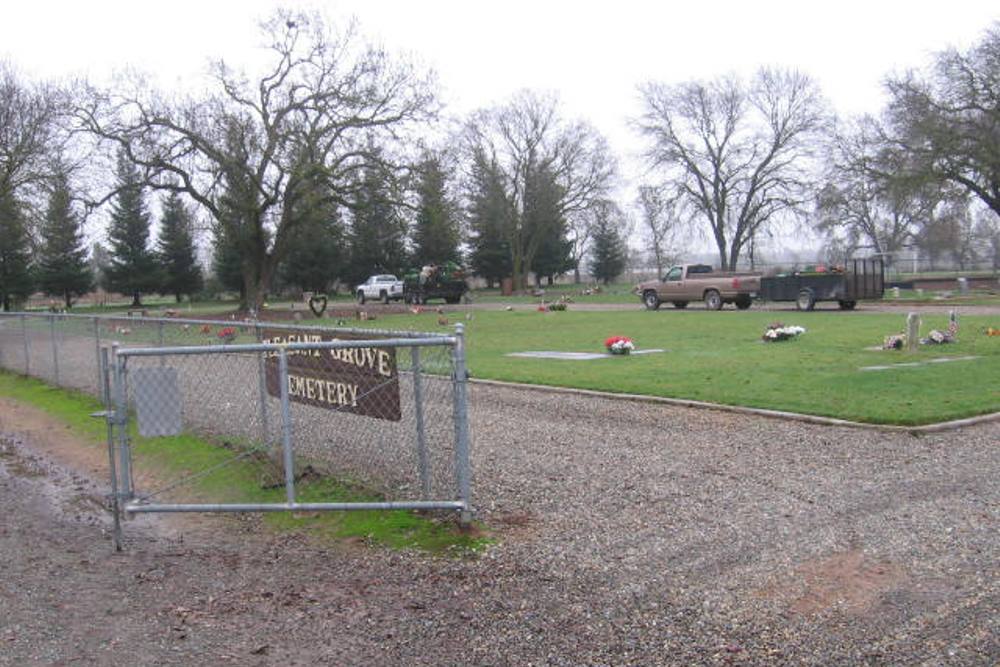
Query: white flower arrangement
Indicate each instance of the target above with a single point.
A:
(778, 331)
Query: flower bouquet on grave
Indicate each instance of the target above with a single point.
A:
(227, 334)
(619, 345)
(894, 342)
(776, 331)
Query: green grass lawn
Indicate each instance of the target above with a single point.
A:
(613, 293)
(719, 357)
(171, 458)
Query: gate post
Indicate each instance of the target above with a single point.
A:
(111, 418)
(461, 416)
(102, 372)
(121, 420)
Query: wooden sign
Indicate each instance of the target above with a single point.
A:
(359, 380)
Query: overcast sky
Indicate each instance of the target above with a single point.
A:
(593, 55)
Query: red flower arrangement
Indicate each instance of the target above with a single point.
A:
(227, 334)
(619, 345)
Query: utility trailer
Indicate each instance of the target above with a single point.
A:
(860, 279)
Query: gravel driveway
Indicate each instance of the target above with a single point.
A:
(626, 534)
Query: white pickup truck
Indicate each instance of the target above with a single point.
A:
(384, 288)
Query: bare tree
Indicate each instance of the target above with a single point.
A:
(324, 110)
(863, 201)
(987, 232)
(526, 140)
(661, 222)
(29, 133)
(739, 153)
(946, 126)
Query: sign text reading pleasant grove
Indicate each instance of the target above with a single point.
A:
(359, 380)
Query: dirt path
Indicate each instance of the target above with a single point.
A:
(672, 537)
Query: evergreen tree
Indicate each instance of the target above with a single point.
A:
(435, 236)
(15, 253)
(489, 216)
(133, 268)
(378, 231)
(62, 267)
(226, 262)
(544, 220)
(608, 253)
(179, 266)
(314, 255)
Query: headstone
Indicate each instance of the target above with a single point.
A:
(912, 331)
(895, 292)
(963, 286)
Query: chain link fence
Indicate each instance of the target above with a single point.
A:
(385, 411)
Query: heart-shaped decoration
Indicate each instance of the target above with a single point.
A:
(317, 304)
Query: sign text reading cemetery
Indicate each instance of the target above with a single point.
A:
(360, 380)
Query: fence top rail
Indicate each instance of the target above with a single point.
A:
(440, 341)
(242, 323)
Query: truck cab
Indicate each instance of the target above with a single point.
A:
(383, 287)
(684, 283)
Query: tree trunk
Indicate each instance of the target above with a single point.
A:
(549, 280)
(136, 300)
(178, 297)
(68, 297)
(576, 274)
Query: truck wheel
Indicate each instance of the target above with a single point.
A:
(713, 300)
(361, 297)
(743, 302)
(650, 300)
(806, 299)
(384, 296)
(847, 305)
(680, 305)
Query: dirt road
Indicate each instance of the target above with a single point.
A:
(641, 535)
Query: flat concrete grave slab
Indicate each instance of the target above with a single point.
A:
(573, 356)
(914, 364)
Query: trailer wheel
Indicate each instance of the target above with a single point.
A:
(361, 297)
(847, 305)
(713, 300)
(743, 302)
(680, 305)
(806, 299)
(384, 296)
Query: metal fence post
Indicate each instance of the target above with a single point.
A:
(102, 372)
(159, 340)
(262, 388)
(27, 349)
(121, 420)
(111, 418)
(55, 348)
(460, 384)
(418, 400)
(286, 427)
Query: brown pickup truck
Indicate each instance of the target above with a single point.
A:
(699, 282)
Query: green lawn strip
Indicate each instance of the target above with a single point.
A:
(614, 293)
(718, 357)
(177, 456)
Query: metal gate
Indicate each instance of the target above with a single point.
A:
(390, 414)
